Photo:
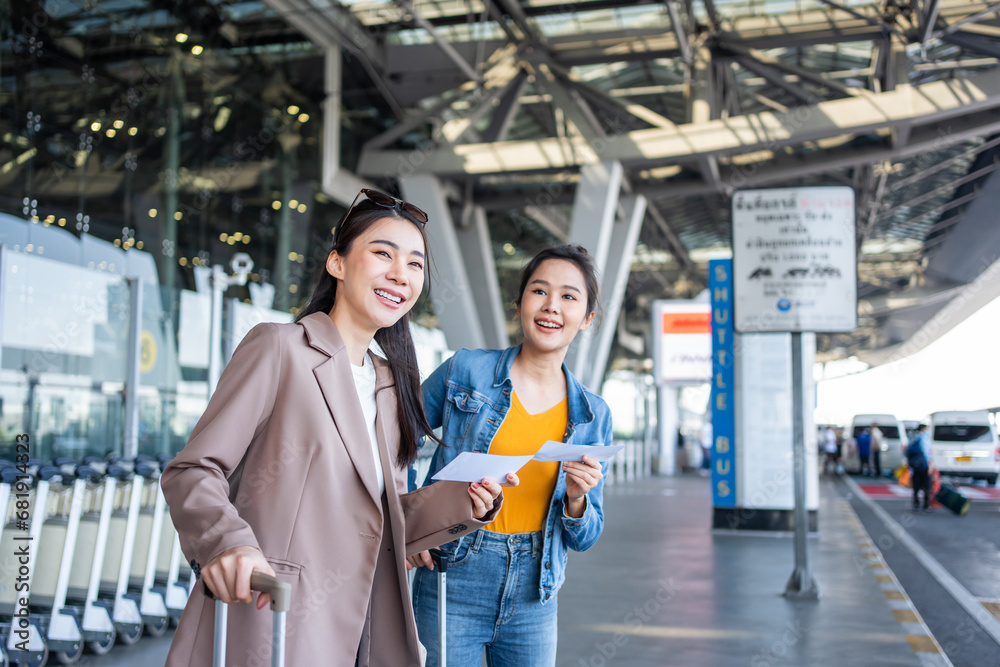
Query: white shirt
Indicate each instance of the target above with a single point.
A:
(830, 440)
(364, 383)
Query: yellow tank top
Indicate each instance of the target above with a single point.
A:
(526, 506)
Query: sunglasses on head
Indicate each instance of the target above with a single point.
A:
(385, 201)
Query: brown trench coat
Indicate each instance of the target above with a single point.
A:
(281, 461)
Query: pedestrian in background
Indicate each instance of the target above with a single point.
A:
(876, 447)
(864, 445)
(830, 448)
(918, 457)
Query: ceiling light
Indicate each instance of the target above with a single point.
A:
(95, 126)
(181, 37)
(292, 110)
(196, 50)
(303, 117)
(132, 131)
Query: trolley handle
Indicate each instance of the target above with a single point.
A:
(280, 591)
(440, 559)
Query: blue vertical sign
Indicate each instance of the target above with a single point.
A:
(720, 284)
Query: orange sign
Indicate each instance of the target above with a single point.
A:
(684, 323)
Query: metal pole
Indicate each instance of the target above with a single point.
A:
(219, 641)
(801, 584)
(219, 285)
(130, 446)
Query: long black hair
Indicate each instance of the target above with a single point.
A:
(576, 254)
(396, 341)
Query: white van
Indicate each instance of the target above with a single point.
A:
(893, 442)
(964, 444)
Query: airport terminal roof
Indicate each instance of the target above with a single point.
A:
(505, 99)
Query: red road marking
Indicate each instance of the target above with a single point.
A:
(974, 493)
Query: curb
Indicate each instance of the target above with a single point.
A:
(923, 643)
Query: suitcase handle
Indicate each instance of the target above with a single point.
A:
(440, 559)
(281, 594)
(280, 591)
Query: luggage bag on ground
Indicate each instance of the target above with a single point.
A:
(281, 593)
(952, 499)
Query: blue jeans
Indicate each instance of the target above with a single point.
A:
(492, 603)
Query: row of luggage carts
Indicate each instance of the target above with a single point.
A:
(103, 561)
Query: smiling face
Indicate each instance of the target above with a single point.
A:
(553, 306)
(380, 277)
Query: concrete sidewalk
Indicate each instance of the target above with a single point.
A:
(661, 588)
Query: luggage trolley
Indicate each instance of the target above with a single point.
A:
(56, 548)
(85, 574)
(168, 569)
(142, 570)
(4, 497)
(169, 573)
(118, 554)
(25, 643)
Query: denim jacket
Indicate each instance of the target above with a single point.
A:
(469, 395)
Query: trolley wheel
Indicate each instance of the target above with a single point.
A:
(102, 647)
(174, 622)
(128, 633)
(41, 663)
(67, 658)
(158, 627)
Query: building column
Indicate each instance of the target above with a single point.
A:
(595, 206)
(452, 295)
(614, 280)
(477, 254)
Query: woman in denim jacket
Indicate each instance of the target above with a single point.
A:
(504, 579)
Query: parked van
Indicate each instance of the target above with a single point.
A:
(893, 442)
(964, 444)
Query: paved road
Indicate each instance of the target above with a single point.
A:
(968, 547)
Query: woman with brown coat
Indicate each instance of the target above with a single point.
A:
(298, 466)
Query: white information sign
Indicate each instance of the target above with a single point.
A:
(682, 341)
(794, 260)
(764, 457)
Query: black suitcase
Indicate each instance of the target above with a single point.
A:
(948, 496)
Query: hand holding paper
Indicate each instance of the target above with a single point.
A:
(473, 467)
(560, 451)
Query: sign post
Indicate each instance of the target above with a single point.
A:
(795, 271)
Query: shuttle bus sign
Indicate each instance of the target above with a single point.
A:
(794, 260)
